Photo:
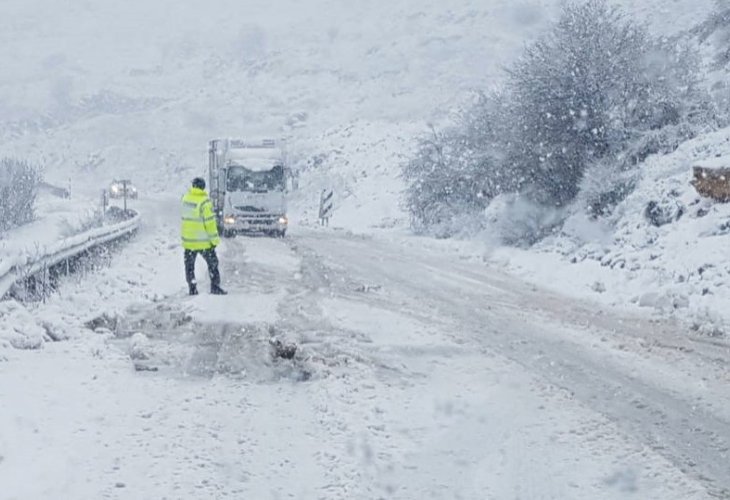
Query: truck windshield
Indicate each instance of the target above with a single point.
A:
(243, 179)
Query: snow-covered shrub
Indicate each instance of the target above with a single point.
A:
(19, 182)
(433, 196)
(516, 220)
(604, 185)
(456, 172)
(662, 212)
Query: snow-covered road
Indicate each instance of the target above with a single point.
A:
(649, 379)
(418, 375)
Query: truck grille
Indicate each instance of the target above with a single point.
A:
(258, 219)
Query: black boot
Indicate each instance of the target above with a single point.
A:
(217, 290)
(193, 289)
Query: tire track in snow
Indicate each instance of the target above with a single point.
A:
(695, 441)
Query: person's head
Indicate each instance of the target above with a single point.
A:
(199, 183)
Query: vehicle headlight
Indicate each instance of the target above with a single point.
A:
(115, 189)
(229, 220)
(283, 220)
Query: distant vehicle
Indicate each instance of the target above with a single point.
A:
(118, 186)
(248, 186)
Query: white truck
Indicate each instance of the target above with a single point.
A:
(247, 183)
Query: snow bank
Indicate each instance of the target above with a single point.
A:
(20, 329)
(56, 219)
(665, 247)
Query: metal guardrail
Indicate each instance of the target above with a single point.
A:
(12, 271)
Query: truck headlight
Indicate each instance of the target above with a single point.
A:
(115, 189)
(229, 220)
(283, 220)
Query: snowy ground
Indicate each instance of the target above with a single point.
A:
(418, 376)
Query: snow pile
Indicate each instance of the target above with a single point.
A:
(139, 347)
(20, 329)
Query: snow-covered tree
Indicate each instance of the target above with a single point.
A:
(435, 194)
(595, 92)
(715, 32)
(19, 182)
(456, 172)
(599, 90)
(717, 29)
(585, 92)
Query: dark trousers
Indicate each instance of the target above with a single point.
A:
(210, 258)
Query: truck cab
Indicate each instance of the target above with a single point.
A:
(248, 187)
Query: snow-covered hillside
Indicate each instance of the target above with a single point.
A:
(663, 248)
(161, 78)
(627, 260)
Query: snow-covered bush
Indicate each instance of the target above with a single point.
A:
(664, 211)
(434, 194)
(19, 182)
(516, 220)
(456, 172)
(604, 185)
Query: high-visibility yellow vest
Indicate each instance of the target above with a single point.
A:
(199, 230)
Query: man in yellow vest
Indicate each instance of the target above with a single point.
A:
(200, 236)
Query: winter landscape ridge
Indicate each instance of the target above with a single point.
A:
(592, 363)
